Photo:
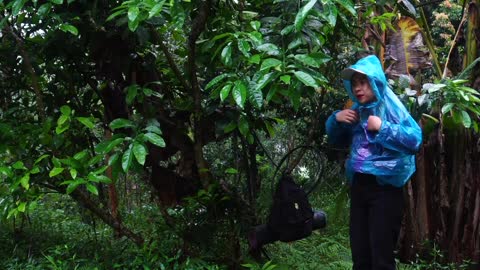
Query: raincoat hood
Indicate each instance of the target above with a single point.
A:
(372, 68)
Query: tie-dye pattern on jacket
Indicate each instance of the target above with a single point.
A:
(389, 153)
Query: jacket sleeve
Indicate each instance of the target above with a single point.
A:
(405, 137)
(339, 134)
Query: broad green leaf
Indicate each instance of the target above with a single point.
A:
(17, 6)
(73, 186)
(24, 181)
(21, 207)
(132, 92)
(226, 55)
(44, 9)
(231, 171)
(255, 59)
(269, 63)
(270, 129)
(216, 80)
(86, 122)
(154, 129)
(269, 48)
(156, 9)
(244, 47)
(115, 14)
(62, 119)
(40, 159)
(255, 25)
(19, 165)
(447, 107)
(287, 30)
(121, 123)
(243, 125)
(35, 170)
(295, 98)
(55, 171)
(107, 146)
(285, 79)
(302, 14)
(99, 178)
(80, 155)
(230, 127)
(132, 25)
(133, 12)
(239, 93)
(140, 152)
(127, 158)
(92, 189)
(69, 28)
(61, 129)
(466, 120)
(73, 173)
(57, 2)
(155, 139)
(65, 110)
(306, 79)
(225, 91)
(113, 159)
(307, 60)
(348, 5)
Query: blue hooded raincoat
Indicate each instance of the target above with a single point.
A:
(389, 154)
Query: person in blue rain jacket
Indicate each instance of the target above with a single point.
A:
(383, 140)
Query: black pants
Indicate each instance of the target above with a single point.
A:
(375, 220)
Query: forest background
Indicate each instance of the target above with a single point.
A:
(145, 134)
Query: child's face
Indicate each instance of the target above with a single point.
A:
(361, 88)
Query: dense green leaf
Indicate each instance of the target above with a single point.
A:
(55, 171)
(140, 152)
(121, 123)
(447, 107)
(156, 9)
(92, 189)
(17, 6)
(239, 93)
(216, 80)
(225, 91)
(132, 92)
(244, 47)
(302, 14)
(127, 158)
(155, 139)
(226, 55)
(269, 63)
(24, 181)
(243, 125)
(69, 28)
(86, 122)
(306, 79)
(466, 120)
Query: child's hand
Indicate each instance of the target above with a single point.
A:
(347, 116)
(374, 123)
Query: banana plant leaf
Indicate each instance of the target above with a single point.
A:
(406, 53)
